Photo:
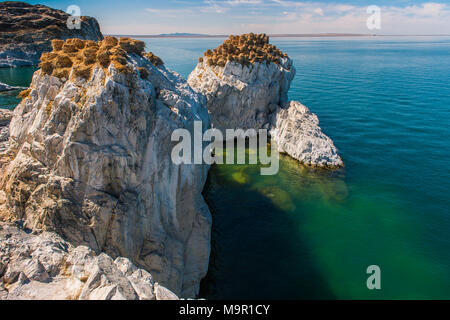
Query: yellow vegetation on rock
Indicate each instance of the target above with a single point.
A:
(132, 45)
(24, 94)
(156, 61)
(48, 108)
(244, 49)
(143, 73)
(79, 57)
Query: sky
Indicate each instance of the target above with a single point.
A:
(139, 17)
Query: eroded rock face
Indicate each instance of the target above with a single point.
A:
(5, 119)
(243, 95)
(26, 31)
(246, 83)
(89, 159)
(45, 267)
(297, 133)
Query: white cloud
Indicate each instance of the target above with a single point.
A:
(239, 2)
(319, 11)
(286, 16)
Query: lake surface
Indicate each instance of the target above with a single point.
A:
(311, 234)
(17, 77)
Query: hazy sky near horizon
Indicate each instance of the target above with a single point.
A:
(270, 16)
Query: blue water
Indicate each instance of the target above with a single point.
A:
(311, 234)
(17, 77)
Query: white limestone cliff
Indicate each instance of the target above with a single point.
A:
(5, 119)
(89, 159)
(246, 82)
(46, 267)
(296, 132)
(243, 96)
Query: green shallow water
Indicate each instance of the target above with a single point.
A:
(311, 234)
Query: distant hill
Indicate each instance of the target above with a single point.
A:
(177, 34)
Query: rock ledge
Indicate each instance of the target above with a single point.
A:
(45, 267)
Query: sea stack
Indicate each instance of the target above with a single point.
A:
(26, 31)
(246, 82)
(90, 160)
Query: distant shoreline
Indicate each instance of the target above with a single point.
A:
(320, 35)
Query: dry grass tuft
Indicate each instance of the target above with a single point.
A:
(46, 66)
(155, 60)
(132, 45)
(63, 61)
(24, 94)
(244, 49)
(83, 71)
(110, 42)
(143, 73)
(80, 57)
(63, 73)
(57, 44)
(48, 108)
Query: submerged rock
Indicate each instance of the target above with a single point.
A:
(26, 31)
(90, 159)
(246, 82)
(46, 267)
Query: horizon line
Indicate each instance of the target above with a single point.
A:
(281, 35)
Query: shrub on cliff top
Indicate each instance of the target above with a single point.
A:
(132, 45)
(244, 49)
(82, 56)
(155, 60)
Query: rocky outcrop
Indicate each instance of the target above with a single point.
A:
(297, 133)
(5, 119)
(90, 159)
(246, 82)
(240, 93)
(26, 31)
(46, 267)
(4, 87)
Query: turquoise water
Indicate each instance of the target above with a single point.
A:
(311, 234)
(18, 77)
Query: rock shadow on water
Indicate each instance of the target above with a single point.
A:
(254, 245)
